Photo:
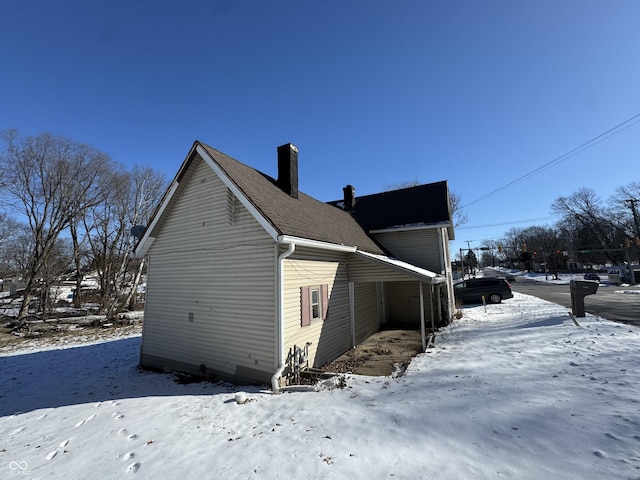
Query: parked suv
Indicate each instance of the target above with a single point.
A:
(592, 276)
(494, 290)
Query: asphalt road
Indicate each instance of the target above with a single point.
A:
(608, 302)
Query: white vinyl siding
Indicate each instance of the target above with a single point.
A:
(329, 337)
(366, 271)
(211, 285)
(366, 310)
(403, 302)
(417, 247)
(427, 248)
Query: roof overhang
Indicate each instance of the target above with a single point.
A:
(408, 269)
(145, 242)
(407, 228)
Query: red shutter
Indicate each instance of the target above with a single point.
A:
(305, 313)
(325, 300)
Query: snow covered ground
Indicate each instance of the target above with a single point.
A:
(514, 391)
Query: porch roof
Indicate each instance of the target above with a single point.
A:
(404, 268)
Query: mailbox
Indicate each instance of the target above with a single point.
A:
(580, 289)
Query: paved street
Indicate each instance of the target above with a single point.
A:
(608, 302)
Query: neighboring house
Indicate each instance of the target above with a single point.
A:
(246, 273)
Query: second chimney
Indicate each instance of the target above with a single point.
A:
(288, 169)
(349, 197)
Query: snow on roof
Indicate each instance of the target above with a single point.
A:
(404, 266)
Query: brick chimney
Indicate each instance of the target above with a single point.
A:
(349, 197)
(288, 169)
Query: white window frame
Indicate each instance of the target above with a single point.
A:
(315, 305)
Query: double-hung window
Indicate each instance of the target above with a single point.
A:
(314, 304)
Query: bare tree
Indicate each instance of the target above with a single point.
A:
(459, 215)
(629, 191)
(16, 252)
(51, 181)
(535, 244)
(489, 249)
(584, 213)
(624, 206)
(512, 243)
(133, 196)
(148, 189)
(10, 230)
(589, 229)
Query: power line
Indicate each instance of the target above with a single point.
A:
(594, 141)
(505, 223)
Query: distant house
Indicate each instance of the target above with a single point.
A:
(246, 273)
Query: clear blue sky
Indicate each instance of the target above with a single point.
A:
(478, 93)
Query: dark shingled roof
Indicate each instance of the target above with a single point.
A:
(420, 205)
(303, 217)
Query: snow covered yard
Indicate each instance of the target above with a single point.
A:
(517, 392)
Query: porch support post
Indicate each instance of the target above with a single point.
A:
(352, 314)
(439, 300)
(424, 338)
(433, 325)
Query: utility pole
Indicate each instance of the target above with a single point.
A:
(461, 258)
(632, 205)
(468, 249)
(632, 275)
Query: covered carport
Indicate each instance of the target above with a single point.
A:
(368, 268)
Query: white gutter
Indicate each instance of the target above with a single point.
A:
(305, 242)
(275, 379)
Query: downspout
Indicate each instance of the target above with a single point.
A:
(275, 379)
(146, 259)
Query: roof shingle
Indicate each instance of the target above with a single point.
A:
(303, 217)
(426, 204)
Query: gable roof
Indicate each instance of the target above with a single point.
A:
(422, 205)
(281, 215)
